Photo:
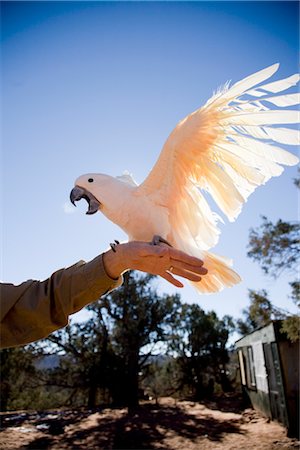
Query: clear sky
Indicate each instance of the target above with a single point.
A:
(97, 87)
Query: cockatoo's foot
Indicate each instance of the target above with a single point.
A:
(114, 245)
(156, 240)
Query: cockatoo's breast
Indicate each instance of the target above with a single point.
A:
(144, 219)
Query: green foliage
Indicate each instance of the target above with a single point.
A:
(140, 318)
(17, 370)
(87, 360)
(161, 378)
(295, 294)
(101, 358)
(260, 312)
(23, 386)
(200, 343)
(291, 326)
(297, 180)
(12, 363)
(275, 246)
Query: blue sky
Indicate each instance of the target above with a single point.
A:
(97, 87)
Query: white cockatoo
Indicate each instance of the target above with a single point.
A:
(227, 148)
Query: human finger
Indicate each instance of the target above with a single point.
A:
(197, 270)
(178, 255)
(185, 274)
(167, 276)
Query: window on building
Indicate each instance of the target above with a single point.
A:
(242, 367)
(247, 367)
(251, 371)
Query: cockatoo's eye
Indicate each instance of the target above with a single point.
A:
(90, 180)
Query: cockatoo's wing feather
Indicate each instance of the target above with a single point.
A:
(225, 148)
(281, 85)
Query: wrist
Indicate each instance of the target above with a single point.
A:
(115, 262)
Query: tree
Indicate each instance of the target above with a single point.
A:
(276, 248)
(260, 312)
(200, 342)
(103, 355)
(161, 377)
(16, 370)
(87, 361)
(141, 318)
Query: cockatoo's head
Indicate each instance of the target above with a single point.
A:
(94, 188)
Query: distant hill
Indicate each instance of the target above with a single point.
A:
(47, 362)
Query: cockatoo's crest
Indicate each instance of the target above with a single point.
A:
(127, 177)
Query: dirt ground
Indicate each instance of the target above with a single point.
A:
(171, 425)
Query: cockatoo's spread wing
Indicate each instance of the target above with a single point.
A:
(226, 148)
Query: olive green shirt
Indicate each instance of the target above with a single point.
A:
(34, 309)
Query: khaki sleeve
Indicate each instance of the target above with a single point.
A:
(34, 309)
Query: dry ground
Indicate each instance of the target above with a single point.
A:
(169, 426)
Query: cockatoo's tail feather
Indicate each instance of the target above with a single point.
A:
(227, 149)
(219, 274)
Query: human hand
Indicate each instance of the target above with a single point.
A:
(161, 260)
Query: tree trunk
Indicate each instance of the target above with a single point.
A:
(133, 382)
(92, 398)
(199, 390)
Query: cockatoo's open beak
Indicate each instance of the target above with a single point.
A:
(78, 193)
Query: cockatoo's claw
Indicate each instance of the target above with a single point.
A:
(156, 240)
(78, 193)
(114, 245)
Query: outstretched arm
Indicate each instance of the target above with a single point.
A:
(34, 309)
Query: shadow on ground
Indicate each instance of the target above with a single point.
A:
(228, 403)
(147, 428)
(152, 425)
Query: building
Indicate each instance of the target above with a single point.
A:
(269, 367)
